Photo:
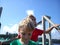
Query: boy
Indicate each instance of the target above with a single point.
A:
(25, 28)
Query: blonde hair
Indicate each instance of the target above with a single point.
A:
(31, 16)
(26, 24)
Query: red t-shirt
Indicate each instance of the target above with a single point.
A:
(35, 34)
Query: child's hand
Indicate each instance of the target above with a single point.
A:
(56, 25)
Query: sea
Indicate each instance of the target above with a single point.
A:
(56, 44)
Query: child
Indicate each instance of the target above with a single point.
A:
(37, 31)
(26, 28)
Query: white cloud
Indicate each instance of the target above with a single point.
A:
(39, 27)
(55, 34)
(12, 29)
(29, 12)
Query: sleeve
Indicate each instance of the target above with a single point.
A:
(35, 34)
(40, 32)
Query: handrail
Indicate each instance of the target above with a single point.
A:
(44, 37)
(46, 18)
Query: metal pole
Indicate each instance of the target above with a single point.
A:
(45, 17)
(44, 37)
(48, 20)
(49, 35)
(49, 25)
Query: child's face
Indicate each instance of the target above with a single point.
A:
(25, 35)
(34, 20)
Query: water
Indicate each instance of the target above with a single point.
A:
(56, 44)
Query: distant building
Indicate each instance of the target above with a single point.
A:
(0, 15)
(0, 11)
(0, 24)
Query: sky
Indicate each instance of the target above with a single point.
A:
(15, 10)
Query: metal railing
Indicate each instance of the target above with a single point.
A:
(44, 19)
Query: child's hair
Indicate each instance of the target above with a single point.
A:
(26, 24)
(29, 16)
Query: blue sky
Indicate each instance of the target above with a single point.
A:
(15, 10)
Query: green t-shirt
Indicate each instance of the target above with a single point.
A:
(17, 42)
